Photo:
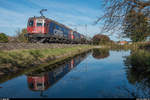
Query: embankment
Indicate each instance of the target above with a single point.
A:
(21, 61)
(15, 46)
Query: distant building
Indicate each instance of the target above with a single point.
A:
(148, 39)
(122, 42)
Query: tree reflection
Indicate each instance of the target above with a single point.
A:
(100, 53)
(138, 72)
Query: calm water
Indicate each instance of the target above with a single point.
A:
(97, 74)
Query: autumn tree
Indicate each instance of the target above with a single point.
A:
(136, 26)
(100, 39)
(116, 11)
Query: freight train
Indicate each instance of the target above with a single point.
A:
(41, 80)
(42, 29)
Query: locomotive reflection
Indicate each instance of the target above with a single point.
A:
(42, 79)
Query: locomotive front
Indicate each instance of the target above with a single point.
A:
(36, 28)
(36, 25)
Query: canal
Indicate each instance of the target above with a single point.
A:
(101, 73)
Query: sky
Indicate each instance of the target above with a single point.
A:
(75, 14)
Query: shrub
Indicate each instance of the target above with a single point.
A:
(20, 35)
(100, 39)
(3, 38)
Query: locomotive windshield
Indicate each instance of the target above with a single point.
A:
(39, 22)
(30, 23)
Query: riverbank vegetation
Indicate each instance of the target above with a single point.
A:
(138, 72)
(8, 73)
(18, 38)
(105, 42)
(15, 60)
(28, 56)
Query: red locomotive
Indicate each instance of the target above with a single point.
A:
(42, 29)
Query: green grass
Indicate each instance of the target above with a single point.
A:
(34, 56)
(133, 46)
(17, 62)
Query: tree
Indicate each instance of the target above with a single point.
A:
(100, 39)
(3, 38)
(115, 12)
(20, 35)
(136, 26)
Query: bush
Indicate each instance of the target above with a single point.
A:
(101, 39)
(20, 35)
(3, 38)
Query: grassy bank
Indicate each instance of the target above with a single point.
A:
(118, 47)
(133, 46)
(23, 58)
(17, 62)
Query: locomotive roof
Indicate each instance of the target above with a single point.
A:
(60, 24)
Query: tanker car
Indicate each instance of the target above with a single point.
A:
(42, 29)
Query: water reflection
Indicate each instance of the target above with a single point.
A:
(100, 53)
(138, 73)
(100, 78)
(42, 79)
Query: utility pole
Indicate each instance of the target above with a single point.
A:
(86, 29)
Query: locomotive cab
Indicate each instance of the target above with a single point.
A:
(36, 25)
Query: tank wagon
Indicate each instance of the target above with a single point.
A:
(42, 29)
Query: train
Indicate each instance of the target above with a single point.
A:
(42, 29)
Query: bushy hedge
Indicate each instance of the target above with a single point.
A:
(3, 38)
(101, 39)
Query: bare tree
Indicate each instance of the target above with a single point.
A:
(115, 12)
